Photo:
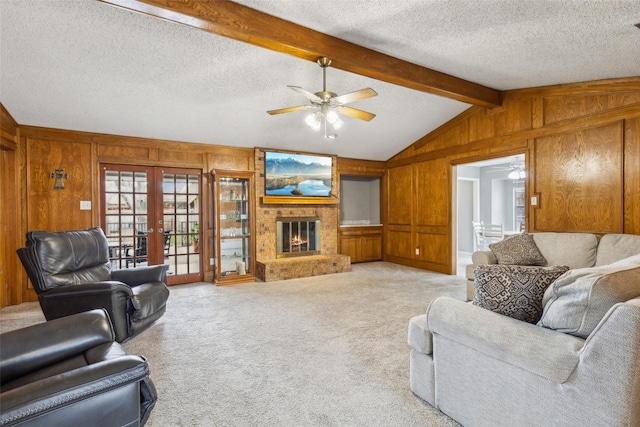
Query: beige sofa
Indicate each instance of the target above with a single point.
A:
(575, 250)
(483, 368)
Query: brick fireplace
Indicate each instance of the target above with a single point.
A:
(325, 258)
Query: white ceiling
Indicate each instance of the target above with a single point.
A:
(85, 65)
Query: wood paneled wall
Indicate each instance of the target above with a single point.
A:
(55, 210)
(582, 146)
(583, 154)
(9, 209)
(80, 154)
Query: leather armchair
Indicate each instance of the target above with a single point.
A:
(70, 372)
(71, 273)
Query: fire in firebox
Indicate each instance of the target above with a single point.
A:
(297, 237)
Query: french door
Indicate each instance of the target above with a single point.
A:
(151, 216)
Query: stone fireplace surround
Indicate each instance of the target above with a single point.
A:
(268, 266)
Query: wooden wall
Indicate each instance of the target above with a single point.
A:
(80, 154)
(31, 153)
(582, 143)
(582, 146)
(9, 209)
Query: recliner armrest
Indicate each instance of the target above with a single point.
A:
(545, 352)
(88, 289)
(32, 348)
(63, 390)
(139, 275)
(115, 297)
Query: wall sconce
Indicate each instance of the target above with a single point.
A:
(59, 175)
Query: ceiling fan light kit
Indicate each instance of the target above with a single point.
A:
(327, 106)
(517, 174)
(515, 168)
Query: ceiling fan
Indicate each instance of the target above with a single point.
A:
(327, 105)
(516, 168)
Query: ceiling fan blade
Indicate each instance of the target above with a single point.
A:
(311, 96)
(290, 109)
(355, 113)
(355, 96)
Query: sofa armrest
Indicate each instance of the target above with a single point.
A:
(139, 275)
(483, 257)
(544, 352)
(419, 337)
(80, 386)
(477, 258)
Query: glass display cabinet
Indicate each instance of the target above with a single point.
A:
(233, 236)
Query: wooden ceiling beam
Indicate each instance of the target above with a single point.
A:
(238, 22)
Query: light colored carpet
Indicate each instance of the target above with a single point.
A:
(319, 351)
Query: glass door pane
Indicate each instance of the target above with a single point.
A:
(181, 222)
(126, 217)
(151, 216)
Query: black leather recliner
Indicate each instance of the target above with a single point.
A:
(70, 372)
(71, 273)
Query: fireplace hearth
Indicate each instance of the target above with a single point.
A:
(297, 237)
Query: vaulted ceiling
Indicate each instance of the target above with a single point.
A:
(208, 71)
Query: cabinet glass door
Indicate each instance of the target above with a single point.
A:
(234, 231)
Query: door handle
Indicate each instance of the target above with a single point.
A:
(149, 231)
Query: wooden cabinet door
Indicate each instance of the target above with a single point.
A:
(372, 248)
(351, 246)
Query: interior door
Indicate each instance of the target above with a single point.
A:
(151, 216)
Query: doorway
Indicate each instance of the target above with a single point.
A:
(489, 191)
(151, 216)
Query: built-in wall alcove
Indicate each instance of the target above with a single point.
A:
(360, 222)
(359, 200)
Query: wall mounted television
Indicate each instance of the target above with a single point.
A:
(297, 175)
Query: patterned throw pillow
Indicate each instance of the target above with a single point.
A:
(513, 290)
(519, 249)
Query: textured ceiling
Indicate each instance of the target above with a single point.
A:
(88, 66)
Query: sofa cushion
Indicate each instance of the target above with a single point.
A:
(513, 290)
(577, 301)
(614, 247)
(519, 249)
(577, 250)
